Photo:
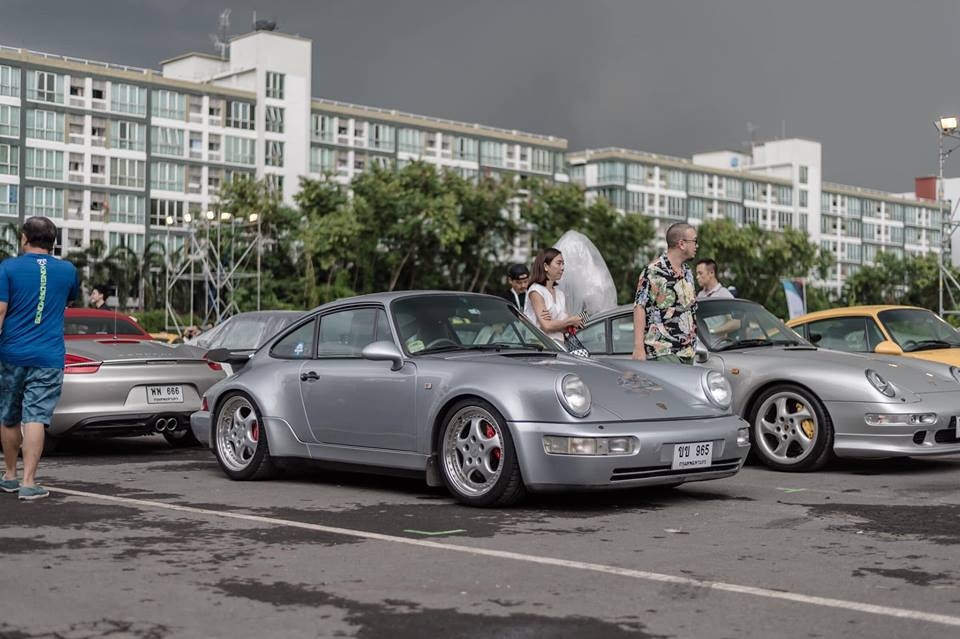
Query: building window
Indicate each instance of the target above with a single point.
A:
(491, 153)
(274, 183)
(322, 127)
(804, 174)
(127, 172)
(9, 120)
(168, 104)
(127, 98)
(410, 141)
(132, 241)
(803, 198)
(42, 200)
(45, 125)
(127, 135)
(322, 160)
(9, 81)
(239, 150)
(45, 87)
(465, 149)
(381, 137)
(9, 159)
(44, 164)
(167, 176)
(166, 141)
(9, 199)
(126, 209)
(274, 119)
(273, 155)
(275, 85)
(240, 115)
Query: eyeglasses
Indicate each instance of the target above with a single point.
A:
(694, 240)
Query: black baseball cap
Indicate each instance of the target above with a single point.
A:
(518, 272)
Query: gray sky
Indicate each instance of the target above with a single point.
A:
(864, 77)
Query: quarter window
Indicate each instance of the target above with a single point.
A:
(297, 344)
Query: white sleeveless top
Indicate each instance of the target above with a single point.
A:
(555, 305)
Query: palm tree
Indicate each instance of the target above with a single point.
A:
(9, 240)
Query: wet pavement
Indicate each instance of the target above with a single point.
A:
(161, 544)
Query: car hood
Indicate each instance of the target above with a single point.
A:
(632, 391)
(108, 350)
(949, 356)
(912, 374)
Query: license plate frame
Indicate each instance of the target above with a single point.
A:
(692, 455)
(165, 394)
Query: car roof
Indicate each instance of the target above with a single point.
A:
(846, 311)
(387, 298)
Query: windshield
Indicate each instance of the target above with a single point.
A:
(915, 329)
(728, 324)
(446, 323)
(245, 332)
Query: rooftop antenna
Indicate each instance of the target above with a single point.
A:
(220, 37)
(752, 134)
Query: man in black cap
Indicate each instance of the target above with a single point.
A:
(519, 277)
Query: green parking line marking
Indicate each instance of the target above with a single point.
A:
(792, 490)
(434, 533)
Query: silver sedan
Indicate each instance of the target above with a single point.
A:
(461, 389)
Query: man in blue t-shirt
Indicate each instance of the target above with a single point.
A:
(35, 288)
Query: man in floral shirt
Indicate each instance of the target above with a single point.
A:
(663, 314)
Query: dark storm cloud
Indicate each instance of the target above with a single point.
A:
(866, 78)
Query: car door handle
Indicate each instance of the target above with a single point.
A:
(309, 377)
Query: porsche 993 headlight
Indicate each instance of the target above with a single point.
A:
(717, 388)
(879, 383)
(574, 395)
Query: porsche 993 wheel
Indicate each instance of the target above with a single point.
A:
(240, 440)
(791, 430)
(477, 456)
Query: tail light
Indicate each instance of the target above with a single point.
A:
(203, 404)
(216, 366)
(75, 364)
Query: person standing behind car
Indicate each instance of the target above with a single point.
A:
(35, 288)
(519, 277)
(666, 300)
(710, 286)
(546, 305)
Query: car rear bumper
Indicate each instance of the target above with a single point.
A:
(648, 466)
(855, 438)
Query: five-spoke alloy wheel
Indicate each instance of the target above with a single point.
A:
(791, 430)
(477, 458)
(240, 441)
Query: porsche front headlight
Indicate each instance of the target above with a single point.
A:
(717, 388)
(880, 383)
(574, 394)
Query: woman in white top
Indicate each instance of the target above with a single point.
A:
(545, 305)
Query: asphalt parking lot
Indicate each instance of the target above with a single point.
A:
(139, 540)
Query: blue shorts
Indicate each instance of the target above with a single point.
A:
(28, 394)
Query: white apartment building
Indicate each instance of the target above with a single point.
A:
(778, 185)
(129, 156)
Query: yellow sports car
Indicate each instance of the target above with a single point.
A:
(885, 330)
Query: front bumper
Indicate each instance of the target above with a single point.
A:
(650, 465)
(853, 437)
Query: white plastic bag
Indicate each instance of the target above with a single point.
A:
(586, 282)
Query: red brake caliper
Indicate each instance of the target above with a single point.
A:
(489, 433)
(255, 431)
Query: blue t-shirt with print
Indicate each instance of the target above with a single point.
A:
(36, 288)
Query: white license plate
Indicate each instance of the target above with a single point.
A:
(692, 455)
(164, 394)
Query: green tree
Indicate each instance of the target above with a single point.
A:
(329, 232)
(912, 280)
(754, 259)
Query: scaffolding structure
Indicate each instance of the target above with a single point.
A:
(949, 129)
(204, 265)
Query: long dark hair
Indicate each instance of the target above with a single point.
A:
(544, 257)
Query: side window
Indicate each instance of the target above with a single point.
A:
(594, 337)
(295, 345)
(345, 333)
(622, 329)
(841, 334)
(383, 328)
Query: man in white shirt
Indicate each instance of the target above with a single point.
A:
(710, 286)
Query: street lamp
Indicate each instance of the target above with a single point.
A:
(948, 126)
(254, 218)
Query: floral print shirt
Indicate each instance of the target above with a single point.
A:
(669, 302)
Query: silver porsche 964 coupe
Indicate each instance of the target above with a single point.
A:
(806, 404)
(462, 389)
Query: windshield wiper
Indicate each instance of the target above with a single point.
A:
(747, 343)
(929, 344)
(495, 346)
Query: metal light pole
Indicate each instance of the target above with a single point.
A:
(255, 217)
(947, 127)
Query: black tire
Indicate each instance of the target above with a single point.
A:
(239, 440)
(790, 429)
(181, 438)
(477, 458)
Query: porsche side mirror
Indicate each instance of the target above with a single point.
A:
(815, 338)
(383, 351)
(700, 353)
(886, 347)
